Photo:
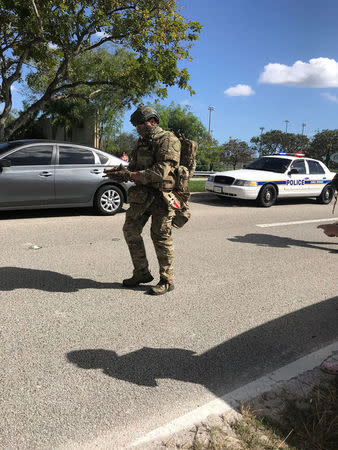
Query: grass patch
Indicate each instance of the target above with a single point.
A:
(196, 185)
(304, 423)
(315, 419)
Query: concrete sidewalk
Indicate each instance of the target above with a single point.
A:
(265, 394)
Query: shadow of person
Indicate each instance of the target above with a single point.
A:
(228, 365)
(46, 280)
(141, 367)
(269, 240)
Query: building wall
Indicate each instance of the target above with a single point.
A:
(86, 134)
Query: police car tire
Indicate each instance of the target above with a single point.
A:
(118, 196)
(326, 195)
(267, 196)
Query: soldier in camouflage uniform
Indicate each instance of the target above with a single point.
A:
(155, 157)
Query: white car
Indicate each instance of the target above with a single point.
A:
(269, 177)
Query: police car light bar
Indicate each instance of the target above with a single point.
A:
(299, 154)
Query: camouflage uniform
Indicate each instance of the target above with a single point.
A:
(154, 158)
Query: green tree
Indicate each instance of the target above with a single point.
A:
(125, 142)
(42, 43)
(235, 152)
(179, 119)
(106, 104)
(208, 154)
(323, 145)
(275, 141)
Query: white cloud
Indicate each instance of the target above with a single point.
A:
(332, 98)
(185, 102)
(318, 72)
(239, 90)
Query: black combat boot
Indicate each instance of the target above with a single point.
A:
(137, 279)
(162, 287)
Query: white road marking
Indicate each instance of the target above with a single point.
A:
(245, 393)
(298, 222)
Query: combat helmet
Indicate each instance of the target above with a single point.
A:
(144, 113)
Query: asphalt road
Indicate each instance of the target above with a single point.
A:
(88, 364)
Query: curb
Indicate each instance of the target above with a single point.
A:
(302, 370)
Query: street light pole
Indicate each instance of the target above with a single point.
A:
(303, 126)
(260, 141)
(210, 108)
(286, 125)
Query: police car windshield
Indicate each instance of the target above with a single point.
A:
(278, 165)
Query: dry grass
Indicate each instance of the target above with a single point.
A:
(315, 423)
(309, 423)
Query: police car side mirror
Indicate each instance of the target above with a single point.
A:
(293, 171)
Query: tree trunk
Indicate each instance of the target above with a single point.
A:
(2, 131)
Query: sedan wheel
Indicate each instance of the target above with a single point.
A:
(108, 200)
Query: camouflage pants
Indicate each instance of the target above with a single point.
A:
(161, 218)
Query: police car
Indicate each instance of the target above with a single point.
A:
(270, 177)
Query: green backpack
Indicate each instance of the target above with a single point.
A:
(187, 165)
(180, 194)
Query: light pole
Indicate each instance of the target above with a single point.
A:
(210, 108)
(260, 141)
(303, 126)
(286, 125)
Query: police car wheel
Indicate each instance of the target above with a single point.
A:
(108, 200)
(326, 195)
(267, 196)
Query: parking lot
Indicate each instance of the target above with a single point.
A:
(89, 364)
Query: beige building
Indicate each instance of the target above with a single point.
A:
(85, 134)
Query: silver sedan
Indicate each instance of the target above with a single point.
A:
(38, 174)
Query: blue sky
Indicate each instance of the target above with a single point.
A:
(239, 39)
(251, 47)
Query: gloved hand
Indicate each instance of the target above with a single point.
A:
(120, 173)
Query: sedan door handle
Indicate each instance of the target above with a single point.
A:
(45, 173)
(95, 171)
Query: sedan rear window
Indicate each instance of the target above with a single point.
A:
(75, 155)
(278, 165)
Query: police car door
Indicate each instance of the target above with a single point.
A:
(318, 178)
(296, 182)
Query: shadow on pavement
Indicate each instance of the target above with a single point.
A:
(229, 365)
(53, 212)
(207, 198)
(45, 280)
(269, 240)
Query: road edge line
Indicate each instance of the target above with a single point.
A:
(230, 401)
